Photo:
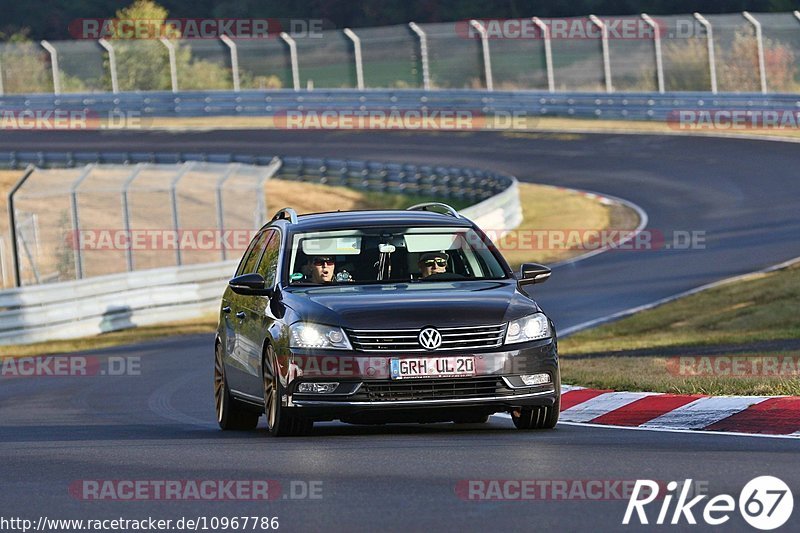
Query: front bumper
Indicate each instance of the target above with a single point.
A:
(366, 389)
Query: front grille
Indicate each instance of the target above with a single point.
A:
(438, 389)
(406, 340)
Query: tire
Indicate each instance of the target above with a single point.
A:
(540, 417)
(231, 414)
(280, 421)
(471, 419)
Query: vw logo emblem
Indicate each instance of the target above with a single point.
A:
(430, 338)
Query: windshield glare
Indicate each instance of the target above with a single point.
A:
(391, 255)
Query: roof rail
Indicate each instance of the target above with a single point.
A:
(424, 207)
(282, 215)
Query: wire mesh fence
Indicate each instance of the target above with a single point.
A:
(726, 52)
(74, 223)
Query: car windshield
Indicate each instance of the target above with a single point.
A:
(387, 255)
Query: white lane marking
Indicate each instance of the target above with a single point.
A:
(703, 412)
(600, 405)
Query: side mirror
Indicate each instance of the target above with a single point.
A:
(530, 273)
(250, 285)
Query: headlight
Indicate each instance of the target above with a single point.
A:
(307, 335)
(529, 328)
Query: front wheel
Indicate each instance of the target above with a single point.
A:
(280, 421)
(231, 414)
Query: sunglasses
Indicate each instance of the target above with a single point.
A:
(437, 262)
(324, 261)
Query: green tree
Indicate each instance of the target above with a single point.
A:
(143, 64)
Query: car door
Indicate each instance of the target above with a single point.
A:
(258, 317)
(234, 306)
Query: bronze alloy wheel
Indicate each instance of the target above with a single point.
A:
(231, 413)
(270, 389)
(280, 421)
(219, 384)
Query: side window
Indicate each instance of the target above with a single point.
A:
(252, 254)
(268, 267)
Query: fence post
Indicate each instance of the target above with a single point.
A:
(548, 53)
(606, 56)
(293, 58)
(487, 59)
(126, 213)
(112, 64)
(173, 64)
(657, 43)
(53, 63)
(173, 196)
(423, 54)
(272, 169)
(234, 60)
(220, 212)
(357, 53)
(712, 62)
(762, 69)
(76, 222)
(12, 224)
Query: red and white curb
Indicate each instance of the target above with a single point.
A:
(763, 415)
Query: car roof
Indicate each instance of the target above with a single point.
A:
(363, 219)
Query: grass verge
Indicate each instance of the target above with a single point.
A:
(709, 330)
(533, 124)
(204, 324)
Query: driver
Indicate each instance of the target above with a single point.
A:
(432, 263)
(322, 268)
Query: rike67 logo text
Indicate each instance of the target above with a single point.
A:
(765, 503)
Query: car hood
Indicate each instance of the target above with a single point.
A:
(410, 305)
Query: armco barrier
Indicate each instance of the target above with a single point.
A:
(107, 303)
(634, 106)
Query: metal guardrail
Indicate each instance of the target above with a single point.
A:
(435, 181)
(118, 301)
(108, 303)
(634, 106)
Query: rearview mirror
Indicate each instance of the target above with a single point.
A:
(530, 273)
(250, 285)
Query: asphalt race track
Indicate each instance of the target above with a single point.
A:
(160, 425)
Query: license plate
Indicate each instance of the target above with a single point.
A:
(433, 367)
